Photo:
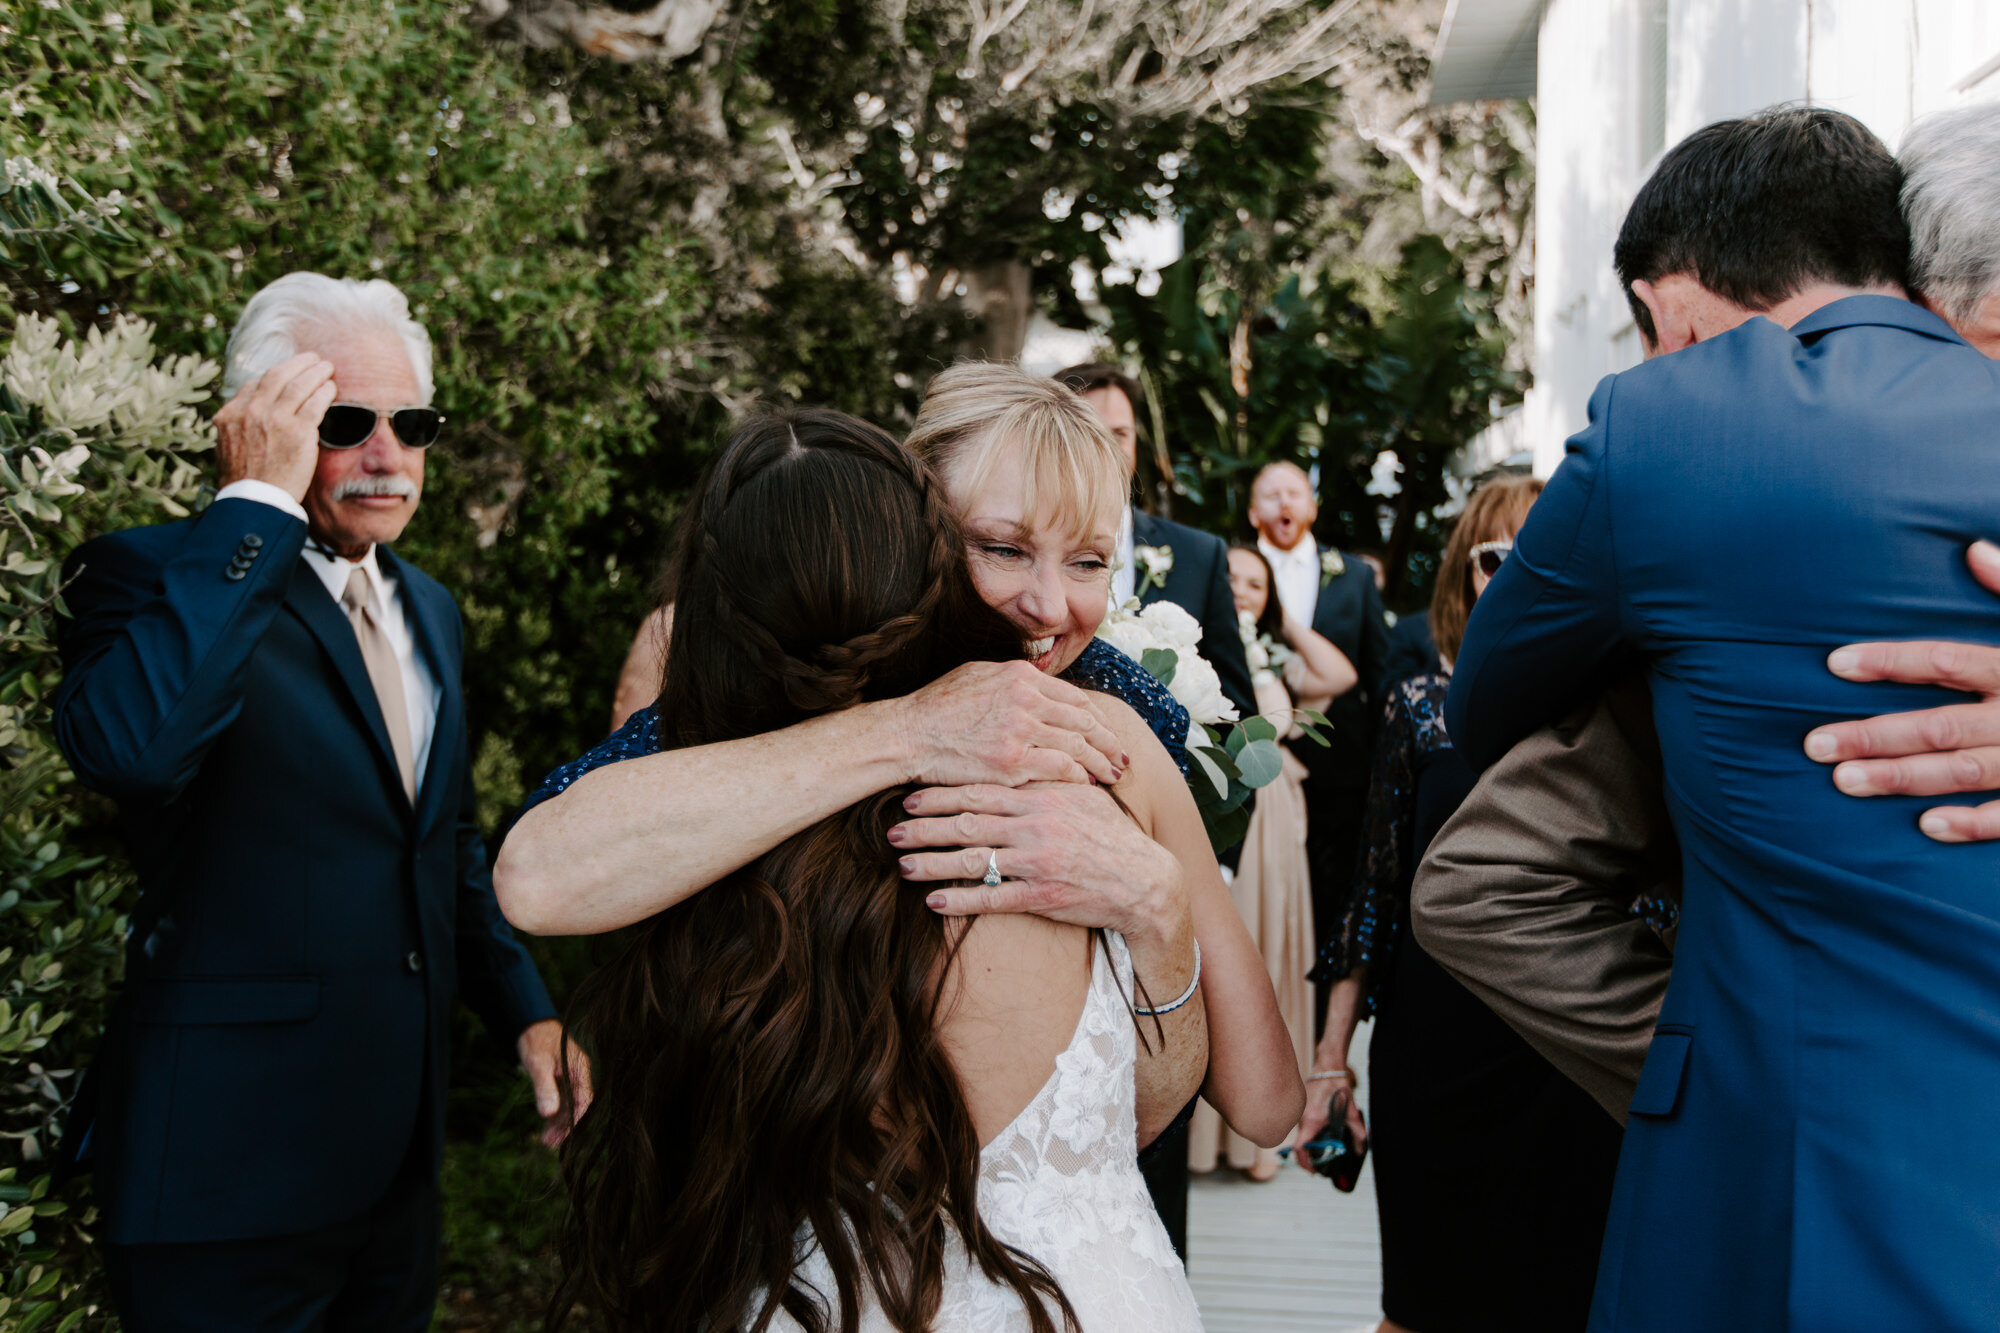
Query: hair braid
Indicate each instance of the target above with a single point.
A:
(835, 676)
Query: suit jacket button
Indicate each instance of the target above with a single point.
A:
(252, 540)
(233, 574)
(413, 963)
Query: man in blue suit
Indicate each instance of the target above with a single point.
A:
(1809, 1145)
(273, 699)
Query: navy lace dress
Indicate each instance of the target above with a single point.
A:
(1099, 667)
(1492, 1171)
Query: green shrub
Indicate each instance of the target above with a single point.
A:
(92, 432)
(248, 138)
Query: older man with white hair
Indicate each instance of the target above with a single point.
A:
(273, 699)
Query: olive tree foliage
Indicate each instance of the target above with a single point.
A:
(94, 431)
(243, 139)
(1405, 168)
(970, 149)
(1354, 297)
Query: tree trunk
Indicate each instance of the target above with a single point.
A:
(1001, 298)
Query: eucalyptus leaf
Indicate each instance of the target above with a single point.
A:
(1260, 763)
(1237, 795)
(1161, 663)
(1212, 774)
(1222, 759)
(1225, 828)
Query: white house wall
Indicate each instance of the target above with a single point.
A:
(1884, 61)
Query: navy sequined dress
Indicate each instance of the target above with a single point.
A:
(1099, 667)
(1492, 1171)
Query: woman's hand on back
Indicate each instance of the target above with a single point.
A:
(1065, 851)
(1004, 723)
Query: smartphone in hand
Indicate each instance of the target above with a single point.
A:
(1335, 1154)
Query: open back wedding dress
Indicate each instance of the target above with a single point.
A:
(1061, 1183)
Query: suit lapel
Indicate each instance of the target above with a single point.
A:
(1326, 598)
(308, 599)
(426, 620)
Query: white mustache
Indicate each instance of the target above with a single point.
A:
(402, 486)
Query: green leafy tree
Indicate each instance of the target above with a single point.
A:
(244, 141)
(1313, 376)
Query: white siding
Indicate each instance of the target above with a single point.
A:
(1884, 61)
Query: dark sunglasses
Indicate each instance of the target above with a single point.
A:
(346, 425)
(1489, 556)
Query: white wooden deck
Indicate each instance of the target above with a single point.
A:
(1293, 1254)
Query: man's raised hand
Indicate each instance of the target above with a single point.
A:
(270, 430)
(1934, 752)
(1005, 723)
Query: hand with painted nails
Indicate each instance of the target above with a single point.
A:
(1934, 752)
(1064, 851)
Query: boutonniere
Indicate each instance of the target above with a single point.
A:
(1154, 564)
(1331, 567)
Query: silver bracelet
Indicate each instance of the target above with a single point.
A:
(1194, 984)
(1331, 1073)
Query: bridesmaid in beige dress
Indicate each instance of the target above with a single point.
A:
(1292, 668)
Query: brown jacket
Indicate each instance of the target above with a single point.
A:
(1525, 895)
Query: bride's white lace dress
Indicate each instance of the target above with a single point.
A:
(1062, 1183)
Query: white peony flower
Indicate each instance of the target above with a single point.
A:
(1195, 684)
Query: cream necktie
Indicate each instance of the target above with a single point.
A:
(385, 673)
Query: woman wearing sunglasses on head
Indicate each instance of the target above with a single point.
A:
(1492, 1171)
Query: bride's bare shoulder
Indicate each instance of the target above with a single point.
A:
(1011, 1006)
(1153, 776)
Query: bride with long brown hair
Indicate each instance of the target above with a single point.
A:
(820, 1105)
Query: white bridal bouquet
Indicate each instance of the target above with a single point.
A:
(1225, 766)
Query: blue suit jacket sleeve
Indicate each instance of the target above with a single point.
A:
(1550, 622)
(495, 974)
(158, 648)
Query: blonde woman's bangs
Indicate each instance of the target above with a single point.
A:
(978, 416)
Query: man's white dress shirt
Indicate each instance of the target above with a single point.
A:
(421, 691)
(1298, 577)
(1124, 579)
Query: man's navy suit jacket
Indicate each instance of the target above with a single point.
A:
(281, 1040)
(1348, 614)
(1812, 1143)
(1198, 583)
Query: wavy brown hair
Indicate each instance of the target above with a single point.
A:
(766, 1053)
(1495, 509)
